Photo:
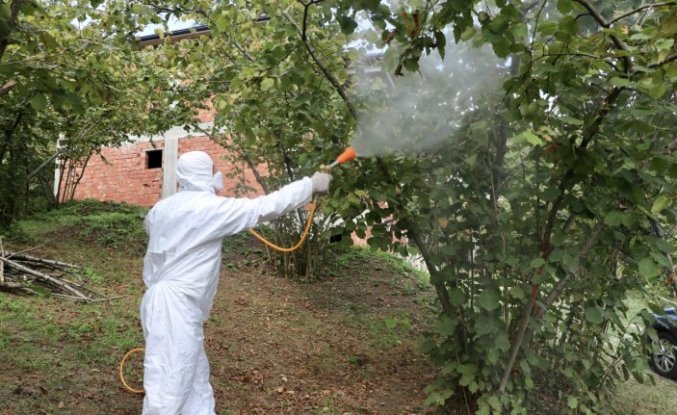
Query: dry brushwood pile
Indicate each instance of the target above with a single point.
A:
(20, 272)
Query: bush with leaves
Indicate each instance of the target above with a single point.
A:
(556, 205)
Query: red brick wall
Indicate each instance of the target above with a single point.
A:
(123, 176)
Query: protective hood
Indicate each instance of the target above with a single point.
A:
(194, 172)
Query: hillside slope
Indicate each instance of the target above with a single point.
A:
(347, 344)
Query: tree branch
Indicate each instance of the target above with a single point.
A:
(415, 234)
(327, 73)
(588, 133)
(605, 24)
(516, 346)
(15, 7)
(306, 6)
(440, 288)
(554, 294)
(639, 9)
(577, 54)
(536, 21)
(41, 166)
(663, 62)
(7, 86)
(521, 331)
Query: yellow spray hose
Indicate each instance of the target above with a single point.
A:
(121, 372)
(304, 235)
(297, 245)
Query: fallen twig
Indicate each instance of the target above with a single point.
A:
(88, 300)
(33, 275)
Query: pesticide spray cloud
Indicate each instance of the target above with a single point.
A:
(421, 111)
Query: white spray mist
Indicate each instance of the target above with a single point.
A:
(420, 111)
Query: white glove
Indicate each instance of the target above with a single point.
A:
(321, 181)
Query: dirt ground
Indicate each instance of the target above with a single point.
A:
(348, 344)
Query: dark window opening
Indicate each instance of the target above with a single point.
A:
(154, 159)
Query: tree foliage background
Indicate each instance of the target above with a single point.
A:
(550, 199)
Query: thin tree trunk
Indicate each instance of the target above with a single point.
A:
(15, 7)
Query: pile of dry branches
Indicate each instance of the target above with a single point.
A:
(20, 272)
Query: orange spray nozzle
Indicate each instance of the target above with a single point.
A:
(348, 154)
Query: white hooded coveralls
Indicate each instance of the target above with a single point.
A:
(181, 270)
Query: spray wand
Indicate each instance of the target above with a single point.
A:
(348, 154)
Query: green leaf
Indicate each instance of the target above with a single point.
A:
(267, 83)
(665, 44)
(485, 326)
(222, 23)
(516, 292)
(572, 402)
(38, 102)
(495, 403)
(537, 263)
(550, 194)
(613, 219)
(489, 299)
(529, 137)
(348, 24)
(501, 48)
(619, 82)
(411, 64)
(4, 11)
(446, 325)
(438, 397)
(492, 356)
(564, 6)
(572, 120)
(524, 365)
(660, 203)
(658, 90)
(440, 43)
(648, 268)
(483, 409)
(594, 314)
(466, 369)
(456, 296)
(547, 28)
(661, 259)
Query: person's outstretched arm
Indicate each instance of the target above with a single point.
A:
(237, 214)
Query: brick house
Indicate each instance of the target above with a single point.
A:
(143, 170)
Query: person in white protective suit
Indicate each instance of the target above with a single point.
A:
(181, 272)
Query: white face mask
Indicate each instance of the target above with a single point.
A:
(217, 181)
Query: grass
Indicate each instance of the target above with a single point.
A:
(634, 398)
(104, 224)
(656, 395)
(61, 357)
